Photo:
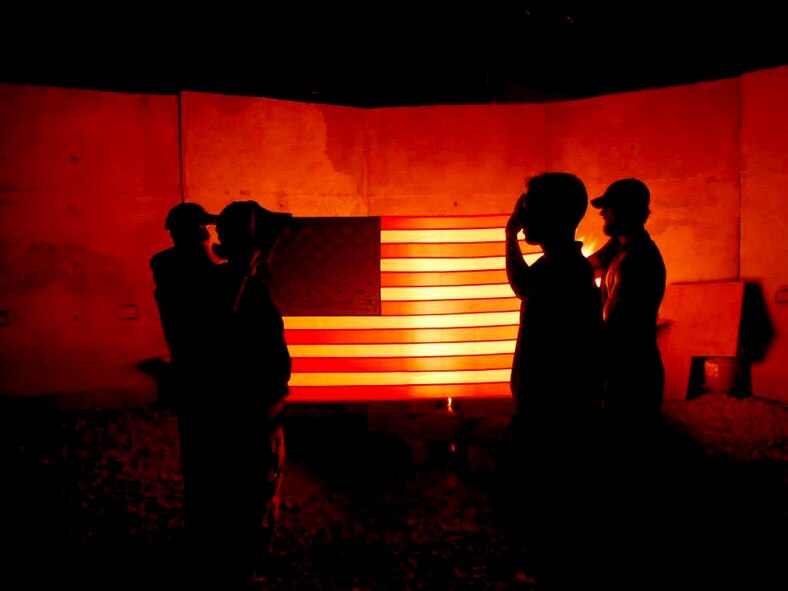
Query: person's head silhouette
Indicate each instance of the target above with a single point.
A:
(186, 223)
(624, 206)
(552, 207)
(246, 229)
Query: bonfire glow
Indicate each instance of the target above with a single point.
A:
(589, 247)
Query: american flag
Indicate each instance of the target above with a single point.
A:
(447, 327)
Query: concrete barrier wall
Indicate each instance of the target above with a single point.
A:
(86, 179)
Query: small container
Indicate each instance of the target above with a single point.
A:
(720, 374)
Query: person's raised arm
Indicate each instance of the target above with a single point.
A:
(517, 270)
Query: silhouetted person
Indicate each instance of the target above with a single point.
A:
(255, 366)
(633, 284)
(185, 278)
(182, 275)
(556, 378)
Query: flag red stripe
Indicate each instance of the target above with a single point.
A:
(386, 364)
(368, 393)
(421, 335)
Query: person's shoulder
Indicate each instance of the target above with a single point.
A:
(643, 258)
(162, 254)
(162, 258)
(644, 246)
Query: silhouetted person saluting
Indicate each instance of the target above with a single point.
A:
(556, 378)
(255, 367)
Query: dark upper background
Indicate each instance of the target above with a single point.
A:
(386, 53)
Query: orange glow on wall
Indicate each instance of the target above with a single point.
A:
(589, 247)
(77, 308)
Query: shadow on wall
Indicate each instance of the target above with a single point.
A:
(711, 335)
(756, 333)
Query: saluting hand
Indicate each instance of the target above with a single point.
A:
(514, 224)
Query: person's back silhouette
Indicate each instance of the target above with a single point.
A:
(185, 279)
(556, 377)
(633, 284)
(254, 365)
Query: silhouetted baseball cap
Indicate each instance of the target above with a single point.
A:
(626, 194)
(186, 215)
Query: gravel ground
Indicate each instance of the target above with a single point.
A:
(92, 501)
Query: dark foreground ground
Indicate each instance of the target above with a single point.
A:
(397, 498)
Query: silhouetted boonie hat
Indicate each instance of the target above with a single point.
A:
(630, 194)
(252, 215)
(186, 215)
